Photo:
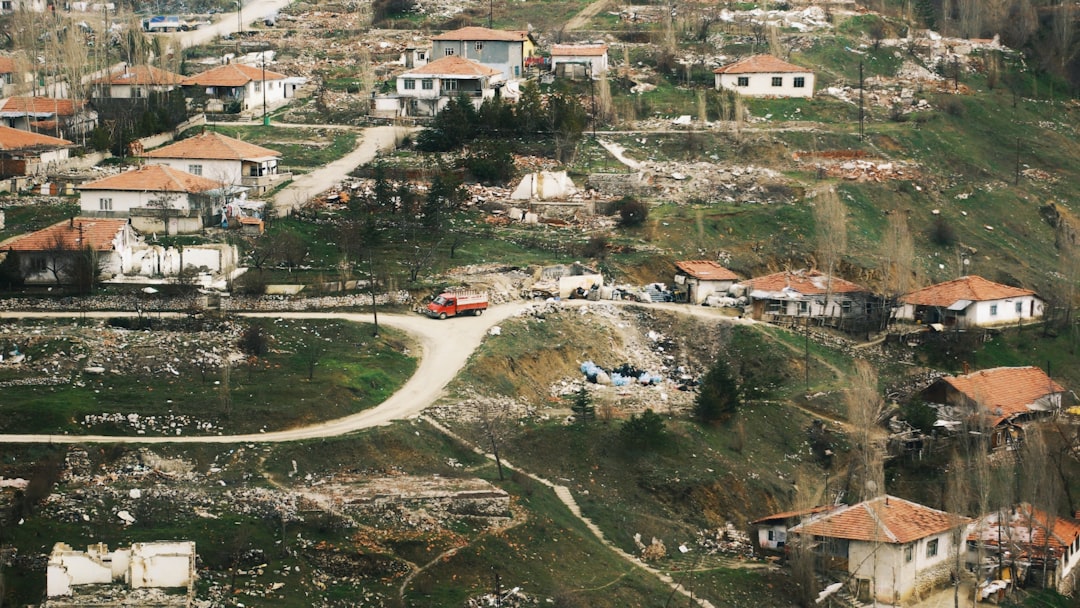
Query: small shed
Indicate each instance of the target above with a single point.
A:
(570, 59)
(699, 279)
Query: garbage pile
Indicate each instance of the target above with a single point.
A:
(623, 375)
(727, 540)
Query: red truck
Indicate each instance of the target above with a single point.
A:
(453, 303)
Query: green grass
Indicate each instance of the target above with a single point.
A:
(305, 148)
(351, 372)
(23, 218)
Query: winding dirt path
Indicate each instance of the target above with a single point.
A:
(579, 20)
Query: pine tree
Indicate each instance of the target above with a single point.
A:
(719, 395)
(583, 407)
(11, 275)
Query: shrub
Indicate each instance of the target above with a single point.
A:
(919, 415)
(719, 396)
(632, 212)
(596, 247)
(253, 341)
(942, 232)
(646, 431)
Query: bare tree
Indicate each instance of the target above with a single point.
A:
(898, 258)
(866, 410)
(163, 206)
(491, 419)
(830, 232)
(956, 504)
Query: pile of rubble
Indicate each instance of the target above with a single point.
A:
(854, 165)
(727, 540)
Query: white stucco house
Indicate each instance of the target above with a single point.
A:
(144, 565)
(591, 59)
(28, 153)
(970, 301)
(245, 85)
(765, 76)
(425, 90)
(224, 159)
(157, 198)
(49, 256)
(699, 279)
(134, 82)
(892, 548)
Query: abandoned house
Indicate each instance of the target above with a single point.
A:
(223, 159)
(969, 301)
(26, 153)
(504, 50)
(1016, 543)
(772, 529)
(425, 90)
(1000, 399)
(808, 294)
(579, 60)
(57, 254)
(137, 574)
(765, 76)
(696, 280)
(238, 87)
(157, 198)
(58, 117)
(892, 548)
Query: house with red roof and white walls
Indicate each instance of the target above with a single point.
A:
(53, 255)
(696, 280)
(247, 86)
(893, 550)
(426, 90)
(25, 153)
(224, 159)
(579, 60)
(157, 199)
(970, 301)
(795, 295)
(1024, 543)
(765, 76)
(1002, 400)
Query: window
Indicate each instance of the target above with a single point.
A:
(744, 81)
(105, 204)
(39, 264)
(772, 535)
(258, 86)
(517, 70)
(427, 84)
(450, 85)
(846, 306)
(410, 84)
(993, 310)
(448, 51)
(777, 81)
(421, 55)
(479, 46)
(804, 307)
(136, 92)
(1019, 308)
(194, 169)
(908, 553)
(800, 82)
(931, 548)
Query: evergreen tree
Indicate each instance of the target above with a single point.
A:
(719, 395)
(645, 431)
(583, 407)
(11, 275)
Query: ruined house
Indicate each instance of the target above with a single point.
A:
(136, 576)
(772, 529)
(808, 294)
(1024, 543)
(696, 280)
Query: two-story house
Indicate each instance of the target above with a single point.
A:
(425, 90)
(505, 50)
(223, 159)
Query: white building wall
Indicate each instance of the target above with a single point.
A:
(893, 579)
(275, 92)
(760, 85)
(161, 564)
(227, 171)
(1004, 311)
(68, 568)
(597, 64)
(124, 201)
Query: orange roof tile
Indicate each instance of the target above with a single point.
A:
(483, 33)
(211, 145)
(578, 50)
(17, 139)
(974, 288)
(71, 234)
(760, 64)
(231, 75)
(7, 65)
(41, 105)
(800, 513)
(154, 178)
(803, 282)
(453, 65)
(141, 74)
(886, 519)
(1026, 526)
(706, 270)
(1005, 391)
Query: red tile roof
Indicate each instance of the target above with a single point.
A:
(760, 64)
(41, 105)
(7, 65)
(483, 33)
(212, 146)
(154, 178)
(974, 288)
(886, 519)
(17, 139)
(1026, 526)
(1005, 391)
(578, 50)
(706, 270)
(71, 234)
(141, 74)
(231, 75)
(453, 65)
(800, 513)
(804, 282)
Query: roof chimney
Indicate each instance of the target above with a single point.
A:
(71, 222)
(967, 368)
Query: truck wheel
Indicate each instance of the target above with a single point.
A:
(442, 316)
(479, 311)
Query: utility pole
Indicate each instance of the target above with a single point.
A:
(266, 117)
(371, 287)
(862, 110)
(592, 93)
(239, 18)
(491, 12)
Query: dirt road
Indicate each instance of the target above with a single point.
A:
(228, 23)
(445, 346)
(373, 140)
(580, 19)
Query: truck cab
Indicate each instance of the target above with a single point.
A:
(450, 304)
